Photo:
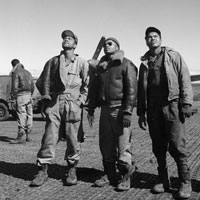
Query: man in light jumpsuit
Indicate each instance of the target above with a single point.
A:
(63, 85)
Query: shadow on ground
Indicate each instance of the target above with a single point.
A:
(35, 118)
(6, 139)
(27, 171)
(141, 180)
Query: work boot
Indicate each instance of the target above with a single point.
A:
(71, 178)
(41, 177)
(126, 172)
(20, 139)
(109, 177)
(185, 189)
(103, 181)
(163, 183)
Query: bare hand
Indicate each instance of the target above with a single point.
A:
(14, 104)
(142, 122)
(44, 106)
(90, 119)
(93, 64)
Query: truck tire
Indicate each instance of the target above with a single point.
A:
(4, 112)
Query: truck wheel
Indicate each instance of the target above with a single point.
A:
(4, 113)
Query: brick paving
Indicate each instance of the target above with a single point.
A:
(17, 166)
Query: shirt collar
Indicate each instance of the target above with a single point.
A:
(72, 59)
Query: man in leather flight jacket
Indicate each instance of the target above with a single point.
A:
(115, 91)
(22, 87)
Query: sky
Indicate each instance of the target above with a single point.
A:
(31, 29)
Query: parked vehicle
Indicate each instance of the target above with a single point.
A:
(5, 99)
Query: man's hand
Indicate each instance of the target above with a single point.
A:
(14, 104)
(93, 64)
(126, 120)
(44, 105)
(142, 122)
(186, 110)
(79, 103)
(90, 117)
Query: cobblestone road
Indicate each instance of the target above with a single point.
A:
(17, 166)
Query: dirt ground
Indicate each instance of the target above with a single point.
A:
(17, 166)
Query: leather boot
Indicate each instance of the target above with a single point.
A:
(41, 177)
(163, 183)
(126, 172)
(103, 181)
(20, 139)
(185, 189)
(109, 177)
(71, 178)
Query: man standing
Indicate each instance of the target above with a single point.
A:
(22, 88)
(165, 95)
(63, 85)
(115, 91)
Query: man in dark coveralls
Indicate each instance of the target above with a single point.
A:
(165, 96)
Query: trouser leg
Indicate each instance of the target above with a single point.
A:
(114, 140)
(21, 117)
(73, 150)
(107, 136)
(50, 138)
(177, 142)
(125, 165)
(178, 148)
(72, 154)
(160, 139)
(29, 121)
(158, 136)
(21, 120)
(108, 145)
(123, 146)
(24, 121)
(48, 144)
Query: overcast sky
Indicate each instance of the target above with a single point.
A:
(31, 29)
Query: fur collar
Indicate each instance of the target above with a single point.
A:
(116, 58)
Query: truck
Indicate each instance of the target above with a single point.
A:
(6, 109)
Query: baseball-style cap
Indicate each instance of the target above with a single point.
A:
(152, 29)
(70, 34)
